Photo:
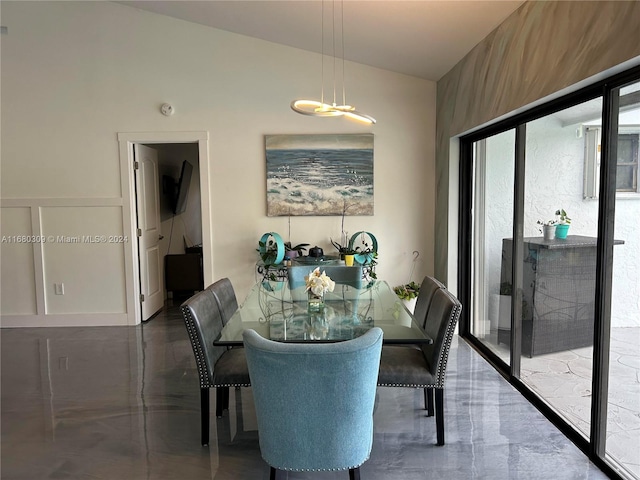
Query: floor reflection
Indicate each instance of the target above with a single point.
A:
(563, 379)
(123, 403)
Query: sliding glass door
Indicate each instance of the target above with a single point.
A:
(493, 206)
(623, 400)
(559, 311)
(559, 270)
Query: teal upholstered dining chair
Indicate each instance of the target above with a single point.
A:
(218, 367)
(314, 402)
(425, 367)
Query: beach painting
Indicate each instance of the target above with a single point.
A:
(319, 174)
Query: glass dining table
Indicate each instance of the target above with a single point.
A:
(279, 313)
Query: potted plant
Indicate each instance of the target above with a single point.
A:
(366, 253)
(343, 247)
(408, 293)
(559, 226)
(296, 251)
(349, 257)
(271, 251)
(346, 253)
(562, 225)
(547, 228)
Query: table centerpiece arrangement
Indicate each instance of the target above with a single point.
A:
(317, 284)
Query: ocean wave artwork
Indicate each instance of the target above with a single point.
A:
(319, 174)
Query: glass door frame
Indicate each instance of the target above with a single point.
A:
(608, 89)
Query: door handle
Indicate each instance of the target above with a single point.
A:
(160, 237)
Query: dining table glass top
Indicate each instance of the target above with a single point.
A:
(279, 313)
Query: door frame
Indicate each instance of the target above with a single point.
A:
(126, 140)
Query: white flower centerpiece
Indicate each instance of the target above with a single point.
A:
(317, 285)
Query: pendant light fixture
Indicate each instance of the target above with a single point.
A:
(320, 108)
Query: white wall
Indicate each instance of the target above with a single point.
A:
(75, 74)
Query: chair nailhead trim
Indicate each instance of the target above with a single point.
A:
(441, 365)
(318, 469)
(408, 385)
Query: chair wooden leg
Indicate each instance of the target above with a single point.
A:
(222, 400)
(428, 401)
(354, 473)
(273, 474)
(204, 415)
(226, 398)
(439, 393)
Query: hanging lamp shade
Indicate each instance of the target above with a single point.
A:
(320, 108)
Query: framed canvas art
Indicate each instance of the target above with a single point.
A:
(319, 174)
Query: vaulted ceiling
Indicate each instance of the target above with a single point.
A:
(418, 37)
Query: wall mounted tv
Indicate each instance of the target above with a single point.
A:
(182, 194)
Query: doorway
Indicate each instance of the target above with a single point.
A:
(179, 239)
(179, 233)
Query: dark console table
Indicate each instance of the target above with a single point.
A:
(558, 298)
(183, 274)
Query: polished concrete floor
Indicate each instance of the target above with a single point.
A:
(563, 380)
(123, 403)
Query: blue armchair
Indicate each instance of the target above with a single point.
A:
(314, 402)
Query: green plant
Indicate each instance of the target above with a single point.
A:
(367, 253)
(548, 223)
(563, 217)
(407, 291)
(342, 250)
(268, 252)
(301, 247)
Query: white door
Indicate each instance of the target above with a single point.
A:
(149, 233)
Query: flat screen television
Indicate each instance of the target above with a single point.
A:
(183, 188)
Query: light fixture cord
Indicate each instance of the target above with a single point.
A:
(344, 94)
(333, 35)
(322, 54)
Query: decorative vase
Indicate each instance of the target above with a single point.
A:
(348, 260)
(410, 304)
(316, 302)
(548, 231)
(561, 230)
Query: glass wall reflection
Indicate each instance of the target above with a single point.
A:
(494, 161)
